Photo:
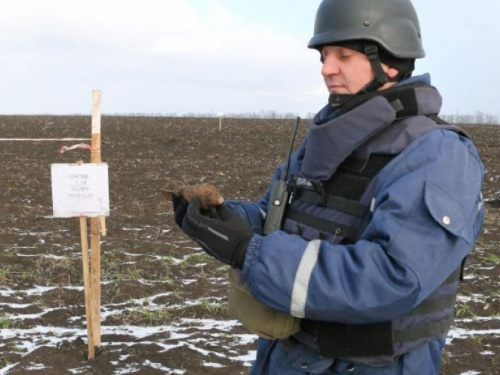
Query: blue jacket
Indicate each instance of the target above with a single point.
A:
(426, 212)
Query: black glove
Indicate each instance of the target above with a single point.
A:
(220, 232)
(180, 207)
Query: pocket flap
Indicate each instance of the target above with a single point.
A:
(446, 212)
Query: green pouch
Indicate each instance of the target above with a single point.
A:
(255, 316)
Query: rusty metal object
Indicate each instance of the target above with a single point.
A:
(208, 194)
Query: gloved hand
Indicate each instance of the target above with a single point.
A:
(220, 232)
(180, 207)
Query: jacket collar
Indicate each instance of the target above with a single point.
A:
(330, 143)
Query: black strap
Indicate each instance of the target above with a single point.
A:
(333, 201)
(438, 304)
(348, 185)
(446, 125)
(438, 120)
(354, 176)
(417, 332)
(371, 51)
(405, 94)
(323, 225)
(336, 340)
(367, 168)
(462, 269)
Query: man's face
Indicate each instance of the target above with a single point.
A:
(345, 71)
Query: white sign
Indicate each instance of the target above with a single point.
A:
(80, 190)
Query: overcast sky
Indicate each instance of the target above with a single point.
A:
(215, 56)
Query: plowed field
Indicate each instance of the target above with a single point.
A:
(163, 300)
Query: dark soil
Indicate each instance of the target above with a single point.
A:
(163, 300)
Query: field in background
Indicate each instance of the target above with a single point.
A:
(164, 300)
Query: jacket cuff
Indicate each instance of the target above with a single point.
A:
(252, 255)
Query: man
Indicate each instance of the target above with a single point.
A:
(386, 204)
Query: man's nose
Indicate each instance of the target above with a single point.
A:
(330, 66)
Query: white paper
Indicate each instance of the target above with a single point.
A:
(80, 190)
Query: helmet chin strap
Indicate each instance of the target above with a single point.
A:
(371, 51)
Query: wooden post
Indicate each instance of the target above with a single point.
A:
(86, 285)
(103, 226)
(95, 224)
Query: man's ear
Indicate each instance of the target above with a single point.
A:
(391, 72)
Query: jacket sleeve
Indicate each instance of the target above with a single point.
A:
(253, 212)
(426, 214)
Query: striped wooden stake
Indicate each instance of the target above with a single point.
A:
(86, 285)
(92, 268)
(95, 224)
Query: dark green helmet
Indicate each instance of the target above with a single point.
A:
(392, 24)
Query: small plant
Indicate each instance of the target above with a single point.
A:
(470, 272)
(134, 274)
(151, 315)
(464, 311)
(133, 352)
(178, 293)
(66, 264)
(40, 302)
(129, 245)
(478, 339)
(3, 274)
(168, 279)
(196, 258)
(116, 294)
(213, 308)
(491, 258)
(6, 323)
(445, 359)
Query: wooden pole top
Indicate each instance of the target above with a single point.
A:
(96, 111)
